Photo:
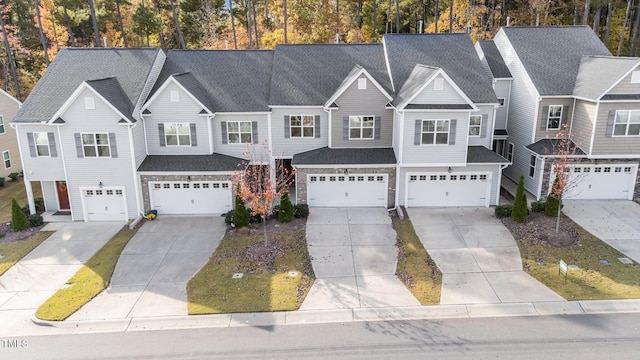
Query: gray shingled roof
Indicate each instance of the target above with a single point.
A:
(224, 81)
(213, 162)
(621, 97)
(72, 66)
(111, 90)
(480, 154)
(310, 74)
(495, 61)
(551, 55)
(546, 147)
(454, 53)
(599, 73)
(419, 75)
(326, 156)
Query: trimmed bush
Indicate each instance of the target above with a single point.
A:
(301, 211)
(286, 211)
(503, 211)
(19, 221)
(240, 216)
(35, 220)
(551, 206)
(13, 176)
(537, 206)
(520, 210)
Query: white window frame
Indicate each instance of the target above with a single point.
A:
(239, 132)
(94, 145)
(6, 157)
(477, 127)
(302, 127)
(2, 128)
(627, 123)
(533, 163)
(181, 139)
(554, 117)
(41, 141)
(501, 101)
(360, 127)
(510, 150)
(435, 132)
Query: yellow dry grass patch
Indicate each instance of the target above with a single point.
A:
(12, 252)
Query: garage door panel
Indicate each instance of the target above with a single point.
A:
(600, 182)
(468, 189)
(190, 197)
(102, 204)
(359, 190)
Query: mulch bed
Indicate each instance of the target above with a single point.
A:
(8, 235)
(541, 229)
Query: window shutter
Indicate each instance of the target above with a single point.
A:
(565, 116)
(287, 126)
(163, 141)
(452, 131)
(52, 145)
(345, 128)
(545, 118)
(316, 124)
(417, 135)
(254, 131)
(32, 144)
(112, 145)
(484, 125)
(223, 128)
(376, 128)
(78, 139)
(610, 122)
(194, 137)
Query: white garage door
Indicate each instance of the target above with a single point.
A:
(104, 204)
(358, 190)
(462, 189)
(196, 197)
(600, 182)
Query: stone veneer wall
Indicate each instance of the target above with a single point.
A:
(301, 180)
(549, 162)
(146, 178)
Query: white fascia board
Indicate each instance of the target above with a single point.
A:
(11, 97)
(583, 98)
(430, 80)
(348, 83)
(296, 106)
(619, 80)
(170, 80)
(430, 165)
(345, 166)
(74, 97)
(621, 101)
(386, 61)
(243, 113)
(436, 110)
(183, 173)
(628, 156)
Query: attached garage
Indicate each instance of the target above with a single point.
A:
(446, 189)
(609, 181)
(186, 197)
(104, 204)
(356, 190)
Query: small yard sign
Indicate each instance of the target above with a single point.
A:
(563, 269)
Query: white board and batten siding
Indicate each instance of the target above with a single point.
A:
(261, 129)
(289, 146)
(453, 153)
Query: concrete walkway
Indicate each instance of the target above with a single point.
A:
(151, 276)
(478, 257)
(354, 258)
(616, 222)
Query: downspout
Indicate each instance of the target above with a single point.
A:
(136, 179)
(502, 167)
(329, 118)
(399, 160)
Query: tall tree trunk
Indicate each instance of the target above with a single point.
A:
(72, 39)
(255, 23)
(585, 16)
(177, 24)
(284, 7)
(249, 26)
(596, 21)
(451, 17)
(634, 37)
(12, 64)
(492, 15)
(575, 13)
(233, 26)
(397, 16)
(96, 31)
(624, 26)
(43, 39)
(435, 16)
(124, 35)
(388, 24)
(375, 19)
(608, 26)
(163, 44)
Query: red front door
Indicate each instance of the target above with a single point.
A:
(63, 195)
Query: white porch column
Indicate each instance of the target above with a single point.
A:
(29, 189)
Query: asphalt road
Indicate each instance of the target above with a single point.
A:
(615, 336)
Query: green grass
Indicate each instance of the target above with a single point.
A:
(415, 267)
(88, 282)
(262, 288)
(13, 251)
(593, 281)
(15, 190)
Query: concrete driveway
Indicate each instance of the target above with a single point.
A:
(151, 276)
(478, 257)
(616, 222)
(354, 259)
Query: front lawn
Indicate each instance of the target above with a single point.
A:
(275, 277)
(15, 190)
(12, 251)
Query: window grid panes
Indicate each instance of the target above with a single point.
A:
(475, 121)
(96, 145)
(177, 134)
(302, 126)
(361, 127)
(627, 123)
(435, 132)
(6, 158)
(239, 132)
(554, 116)
(41, 140)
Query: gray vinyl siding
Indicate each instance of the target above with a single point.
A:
(8, 140)
(435, 154)
(486, 128)
(502, 88)
(290, 146)
(567, 110)
(41, 168)
(237, 150)
(448, 94)
(50, 196)
(618, 145)
(184, 111)
(150, 82)
(522, 110)
(369, 102)
(89, 172)
(625, 86)
(582, 125)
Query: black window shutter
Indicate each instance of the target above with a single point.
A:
(376, 127)
(316, 124)
(452, 131)
(287, 126)
(610, 122)
(254, 131)
(484, 125)
(194, 137)
(78, 140)
(345, 128)
(53, 151)
(163, 141)
(417, 135)
(112, 145)
(565, 116)
(545, 118)
(32, 145)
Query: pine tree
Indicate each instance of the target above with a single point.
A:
(19, 221)
(519, 212)
(286, 209)
(241, 215)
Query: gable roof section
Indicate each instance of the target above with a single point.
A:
(551, 55)
(73, 66)
(360, 156)
(598, 74)
(189, 84)
(494, 60)
(354, 74)
(420, 77)
(453, 53)
(481, 155)
(223, 81)
(308, 75)
(113, 93)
